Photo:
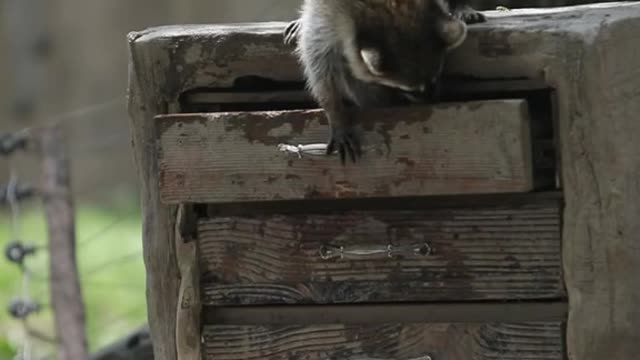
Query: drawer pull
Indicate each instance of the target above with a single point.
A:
(318, 149)
(311, 149)
(328, 252)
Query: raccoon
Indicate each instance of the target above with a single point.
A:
(369, 53)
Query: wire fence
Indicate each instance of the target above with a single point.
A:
(23, 307)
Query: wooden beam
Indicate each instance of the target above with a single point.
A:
(459, 341)
(189, 310)
(599, 128)
(459, 148)
(66, 296)
(158, 228)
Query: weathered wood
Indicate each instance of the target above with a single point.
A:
(66, 296)
(491, 341)
(162, 273)
(379, 314)
(597, 103)
(188, 312)
(461, 254)
(475, 147)
(515, 45)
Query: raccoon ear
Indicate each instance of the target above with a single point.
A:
(373, 59)
(452, 32)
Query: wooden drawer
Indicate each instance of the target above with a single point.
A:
(435, 341)
(475, 147)
(508, 252)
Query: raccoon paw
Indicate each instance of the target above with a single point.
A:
(346, 142)
(291, 32)
(469, 15)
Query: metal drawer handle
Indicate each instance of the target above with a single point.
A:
(300, 150)
(310, 149)
(328, 252)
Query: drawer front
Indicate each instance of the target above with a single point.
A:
(446, 341)
(459, 148)
(454, 254)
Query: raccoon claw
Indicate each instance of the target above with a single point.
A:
(291, 32)
(470, 16)
(346, 143)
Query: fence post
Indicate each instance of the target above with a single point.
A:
(66, 296)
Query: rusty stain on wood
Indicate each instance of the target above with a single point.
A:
(488, 341)
(474, 254)
(458, 148)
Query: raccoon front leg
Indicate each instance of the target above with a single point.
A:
(326, 78)
(328, 89)
(344, 137)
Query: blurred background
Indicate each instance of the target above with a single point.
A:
(66, 61)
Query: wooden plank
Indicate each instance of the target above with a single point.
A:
(221, 54)
(189, 309)
(462, 254)
(158, 228)
(598, 109)
(466, 148)
(378, 314)
(488, 341)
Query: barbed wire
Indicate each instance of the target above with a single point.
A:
(72, 115)
(107, 228)
(120, 260)
(21, 307)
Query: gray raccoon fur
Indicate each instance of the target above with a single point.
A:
(367, 53)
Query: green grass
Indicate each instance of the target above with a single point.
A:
(111, 270)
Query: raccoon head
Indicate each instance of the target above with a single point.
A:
(407, 50)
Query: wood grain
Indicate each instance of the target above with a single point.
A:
(189, 310)
(458, 148)
(477, 254)
(158, 228)
(512, 341)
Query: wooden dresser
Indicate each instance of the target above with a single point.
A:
(499, 224)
